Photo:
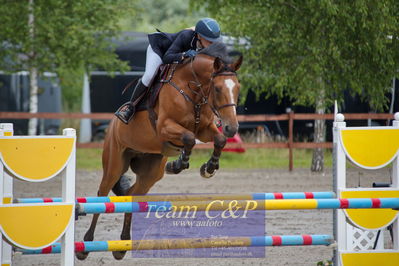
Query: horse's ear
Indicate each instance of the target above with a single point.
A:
(237, 64)
(217, 64)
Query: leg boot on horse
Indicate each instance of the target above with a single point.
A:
(126, 112)
(182, 162)
(209, 168)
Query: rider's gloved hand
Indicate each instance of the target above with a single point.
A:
(190, 53)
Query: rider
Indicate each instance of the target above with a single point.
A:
(167, 48)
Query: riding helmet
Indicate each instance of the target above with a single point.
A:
(209, 29)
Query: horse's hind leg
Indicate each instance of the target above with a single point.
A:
(115, 163)
(149, 168)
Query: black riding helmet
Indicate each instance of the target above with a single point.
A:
(208, 29)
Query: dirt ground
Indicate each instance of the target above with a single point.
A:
(225, 181)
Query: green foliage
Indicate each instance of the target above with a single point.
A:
(301, 47)
(72, 82)
(68, 34)
(69, 38)
(166, 15)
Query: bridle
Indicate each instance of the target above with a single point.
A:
(226, 71)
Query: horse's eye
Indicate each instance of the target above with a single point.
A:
(218, 89)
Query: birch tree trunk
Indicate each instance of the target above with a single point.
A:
(33, 73)
(319, 134)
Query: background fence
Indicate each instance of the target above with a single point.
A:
(289, 144)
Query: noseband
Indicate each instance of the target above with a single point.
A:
(226, 71)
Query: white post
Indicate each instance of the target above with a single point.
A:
(85, 124)
(6, 195)
(68, 196)
(395, 185)
(7, 131)
(339, 181)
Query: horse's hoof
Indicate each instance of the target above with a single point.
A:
(169, 168)
(82, 255)
(173, 168)
(118, 255)
(204, 172)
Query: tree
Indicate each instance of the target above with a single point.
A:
(166, 15)
(55, 35)
(312, 51)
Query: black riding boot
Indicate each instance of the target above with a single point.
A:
(126, 113)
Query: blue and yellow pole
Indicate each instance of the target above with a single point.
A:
(184, 243)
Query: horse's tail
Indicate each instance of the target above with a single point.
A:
(122, 186)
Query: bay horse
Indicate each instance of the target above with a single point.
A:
(195, 93)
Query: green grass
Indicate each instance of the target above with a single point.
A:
(90, 159)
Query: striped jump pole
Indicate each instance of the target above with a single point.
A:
(185, 243)
(220, 205)
(191, 197)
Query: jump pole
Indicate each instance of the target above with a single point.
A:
(220, 205)
(190, 243)
(191, 197)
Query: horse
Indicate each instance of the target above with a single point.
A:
(194, 94)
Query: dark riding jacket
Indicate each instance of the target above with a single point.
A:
(171, 46)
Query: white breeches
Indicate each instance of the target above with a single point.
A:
(151, 66)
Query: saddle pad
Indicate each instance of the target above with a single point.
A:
(151, 96)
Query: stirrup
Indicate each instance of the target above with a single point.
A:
(123, 112)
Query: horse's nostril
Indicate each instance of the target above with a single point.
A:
(229, 131)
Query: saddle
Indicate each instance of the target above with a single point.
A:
(149, 98)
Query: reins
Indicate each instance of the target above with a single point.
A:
(226, 71)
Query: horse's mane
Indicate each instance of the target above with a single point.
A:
(217, 49)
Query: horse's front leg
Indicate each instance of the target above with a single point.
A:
(175, 132)
(209, 168)
(182, 162)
